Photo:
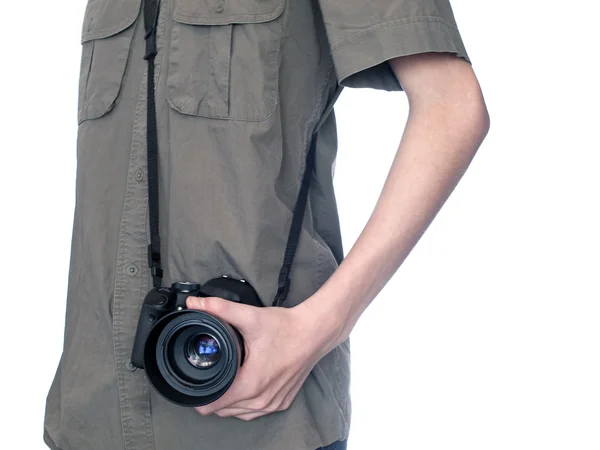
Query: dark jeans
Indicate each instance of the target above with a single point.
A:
(339, 445)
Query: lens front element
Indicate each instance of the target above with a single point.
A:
(203, 351)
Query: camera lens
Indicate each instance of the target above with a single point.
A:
(203, 351)
(191, 357)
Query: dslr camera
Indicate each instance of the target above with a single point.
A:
(190, 357)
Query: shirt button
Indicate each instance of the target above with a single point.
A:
(132, 270)
(220, 5)
(139, 175)
(129, 366)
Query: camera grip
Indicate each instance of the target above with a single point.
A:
(157, 304)
(145, 324)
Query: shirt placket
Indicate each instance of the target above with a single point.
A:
(132, 280)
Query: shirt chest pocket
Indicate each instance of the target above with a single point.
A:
(106, 42)
(224, 58)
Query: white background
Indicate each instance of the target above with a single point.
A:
(488, 335)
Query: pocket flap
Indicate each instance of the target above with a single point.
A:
(104, 18)
(223, 12)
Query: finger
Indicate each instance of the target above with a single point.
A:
(252, 404)
(228, 412)
(255, 399)
(228, 399)
(251, 416)
(240, 391)
(289, 398)
(235, 410)
(237, 314)
(281, 401)
(275, 394)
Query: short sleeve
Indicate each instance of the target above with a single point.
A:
(364, 34)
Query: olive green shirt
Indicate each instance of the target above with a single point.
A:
(240, 88)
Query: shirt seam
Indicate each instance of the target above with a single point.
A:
(389, 24)
(229, 19)
(314, 121)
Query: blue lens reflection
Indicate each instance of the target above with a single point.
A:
(204, 351)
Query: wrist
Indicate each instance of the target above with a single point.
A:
(327, 321)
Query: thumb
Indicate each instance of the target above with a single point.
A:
(236, 314)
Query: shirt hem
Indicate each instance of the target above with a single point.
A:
(49, 442)
(359, 59)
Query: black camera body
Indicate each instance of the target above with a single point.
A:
(190, 356)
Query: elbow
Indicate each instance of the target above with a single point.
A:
(470, 115)
(461, 110)
(474, 108)
(478, 118)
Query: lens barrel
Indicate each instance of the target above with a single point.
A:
(191, 357)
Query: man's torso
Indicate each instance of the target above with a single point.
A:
(240, 87)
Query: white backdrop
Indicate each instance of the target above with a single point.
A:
(488, 335)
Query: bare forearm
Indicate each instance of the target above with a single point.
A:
(437, 146)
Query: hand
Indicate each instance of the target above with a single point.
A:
(282, 346)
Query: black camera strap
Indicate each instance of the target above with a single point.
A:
(283, 282)
(151, 10)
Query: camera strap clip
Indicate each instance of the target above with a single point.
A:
(155, 265)
(151, 8)
(283, 286)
